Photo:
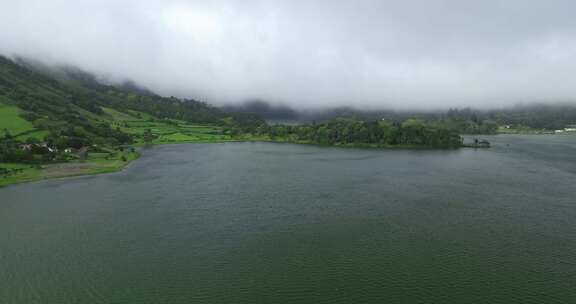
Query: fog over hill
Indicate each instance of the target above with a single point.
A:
(366, 54)
(551, 115)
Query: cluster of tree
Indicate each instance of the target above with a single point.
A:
(11, 152)
(468, 121)
(342, 131)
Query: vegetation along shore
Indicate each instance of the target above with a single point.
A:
(60, 122)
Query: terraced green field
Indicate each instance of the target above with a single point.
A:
(177, 132)
(165, 131)
(132, 122)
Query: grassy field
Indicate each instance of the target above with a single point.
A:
(28, 174)
(10, 120)
(117, 115)
(97, 163)
(39, 135)
(174, 132)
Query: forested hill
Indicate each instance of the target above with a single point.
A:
(73, 103)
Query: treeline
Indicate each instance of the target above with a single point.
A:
(550, 116)
(536, 116)
(464, 121)
(342, 131)
(468, 121)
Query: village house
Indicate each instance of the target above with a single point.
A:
(28, 147)
(25, 147)
(569, 128)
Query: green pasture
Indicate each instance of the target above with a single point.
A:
(10, 120)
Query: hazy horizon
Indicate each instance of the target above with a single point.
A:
(413, 55)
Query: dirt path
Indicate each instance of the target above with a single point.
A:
(67, 169)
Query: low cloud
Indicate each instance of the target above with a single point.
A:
(368, 54)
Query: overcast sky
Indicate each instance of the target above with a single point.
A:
(401, 54)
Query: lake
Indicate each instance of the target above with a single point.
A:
(284, 223)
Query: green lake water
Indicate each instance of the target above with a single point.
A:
(284, 223)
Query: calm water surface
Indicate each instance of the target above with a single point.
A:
(282, 223)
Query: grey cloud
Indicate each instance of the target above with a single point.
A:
(372, 54)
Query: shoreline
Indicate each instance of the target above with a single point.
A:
(58, 171)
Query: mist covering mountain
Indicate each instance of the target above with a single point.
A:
(368, 54)
(68, 102)
(551, 115)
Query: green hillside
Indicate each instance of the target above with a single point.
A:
(11, 121)
(71, 107)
